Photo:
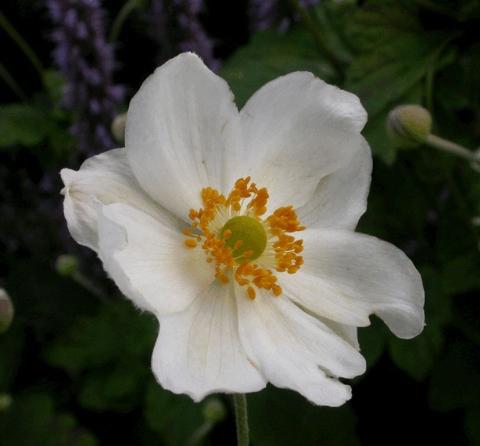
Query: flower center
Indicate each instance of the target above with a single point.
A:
(240, 243)
(246, 236)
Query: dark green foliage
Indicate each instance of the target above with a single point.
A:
(108, 354)
(283, 418)
(279, 54)
(39, 124)
(77, 366)
(174, 417)
(22, 124)
(32, 419)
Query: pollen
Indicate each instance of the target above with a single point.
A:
(241, 244)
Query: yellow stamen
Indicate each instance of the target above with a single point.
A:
(235, 237)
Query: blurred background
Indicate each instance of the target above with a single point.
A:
(75, 360)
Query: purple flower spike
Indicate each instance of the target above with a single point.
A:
(266, 13)
(86, 61)
(175, 24)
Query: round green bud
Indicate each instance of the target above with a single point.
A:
(66, 265)
(5, 401)
(214, 410)
(6, 311)
(409, 125)
(118, 127)
(475, 164)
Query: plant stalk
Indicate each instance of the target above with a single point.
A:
(22, 44)
(241, 419)
(121, 18)
(452, 148)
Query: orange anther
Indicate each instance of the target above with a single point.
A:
(251, 293)
(221, 277)
(277, 290)
(190, 243)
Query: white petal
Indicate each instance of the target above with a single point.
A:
(149, 260)
(340, 198)
(348, 276)
(198, 351)
(178, 125)
(295, 350)
(347, 332)
(102, 179)
(296, 130)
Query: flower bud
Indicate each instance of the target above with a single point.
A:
(118, 127)
(5, 401)
(66, 265)
(6, 311)
(409, 125)
(214, 410)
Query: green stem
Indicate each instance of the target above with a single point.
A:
(200, 434)
(121, 17)
(22, 44)
(87, 284)
(319, 40)
(241, 419)
(11, 82)
(450, 147)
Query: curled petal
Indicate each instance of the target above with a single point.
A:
(103, 179)
(295, 350)
(348, 276)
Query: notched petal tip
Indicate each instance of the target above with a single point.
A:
(67, 176)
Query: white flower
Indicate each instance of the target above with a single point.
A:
(241, 300)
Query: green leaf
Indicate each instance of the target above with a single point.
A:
(55, 85)
(269, 55)
(175, 417)
(417, 356)
(32, 420)
(113, 349)
(461, 274)
(48, 303)
(284, 418)
(394, 57)
(455, 381)
(383, 76)
(116, 332)
(117, 388)
(22, 124)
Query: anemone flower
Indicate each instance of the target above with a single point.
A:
(236, 230)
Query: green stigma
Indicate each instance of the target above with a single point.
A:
(245, 235)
